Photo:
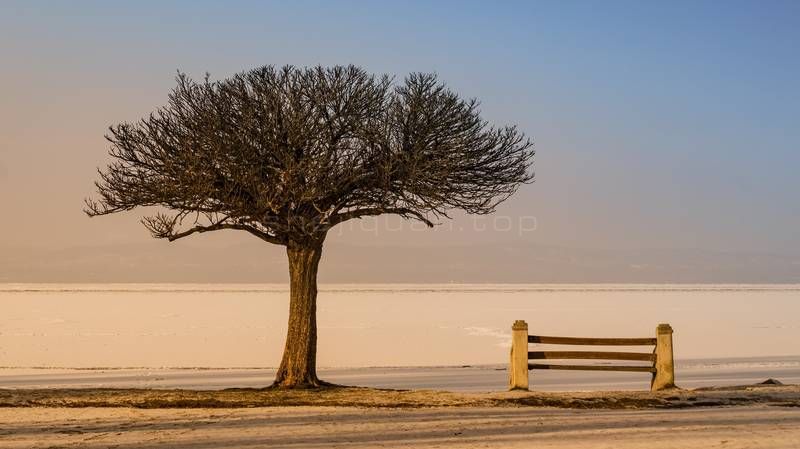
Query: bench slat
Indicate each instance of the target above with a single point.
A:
(638, 369)
(591, 341)
(591, 355)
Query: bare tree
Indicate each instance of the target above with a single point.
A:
(286, 154)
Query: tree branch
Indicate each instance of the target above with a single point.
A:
(372, 211)
(163, 227)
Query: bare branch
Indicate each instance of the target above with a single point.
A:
(358, 213)
(165, 227)
(285, 154)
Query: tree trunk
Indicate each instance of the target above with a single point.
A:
(298, 367)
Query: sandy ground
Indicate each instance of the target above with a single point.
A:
(753, 416)
(787, 396)
(462, 427)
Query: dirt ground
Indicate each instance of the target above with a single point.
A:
(778, 395)
(462, 427)
(737, 417)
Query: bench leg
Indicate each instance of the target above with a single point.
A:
(518, 366)
(664, 376)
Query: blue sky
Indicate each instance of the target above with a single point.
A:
(670, 125)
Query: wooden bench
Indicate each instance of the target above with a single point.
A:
(660, 361)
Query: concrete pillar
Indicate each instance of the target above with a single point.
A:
(664, 376)
(518, 368)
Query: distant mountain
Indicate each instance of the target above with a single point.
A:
(501, 263)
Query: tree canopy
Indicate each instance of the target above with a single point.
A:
(287, 153)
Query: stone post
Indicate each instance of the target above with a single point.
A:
(518, 368)
(664, 376)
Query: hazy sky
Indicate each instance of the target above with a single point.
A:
(659, 127)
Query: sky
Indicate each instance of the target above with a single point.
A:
(666, 135)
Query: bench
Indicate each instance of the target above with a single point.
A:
(660, 364)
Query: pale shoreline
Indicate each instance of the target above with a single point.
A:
(467, 378)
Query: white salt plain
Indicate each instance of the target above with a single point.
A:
(433, 336)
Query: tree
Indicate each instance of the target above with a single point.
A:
(286, 154)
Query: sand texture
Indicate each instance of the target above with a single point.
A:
(734, 417)
(773, 395)
(456, 427)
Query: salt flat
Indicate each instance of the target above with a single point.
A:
(223, 326)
